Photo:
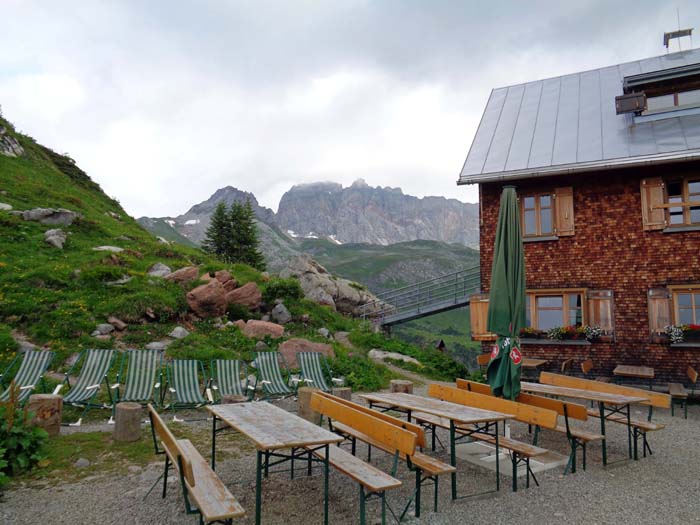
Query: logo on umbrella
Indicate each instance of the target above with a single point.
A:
(516, 356)
(494, 351)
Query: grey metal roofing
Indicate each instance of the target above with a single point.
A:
(568, 124)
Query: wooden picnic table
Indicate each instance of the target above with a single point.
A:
(531, 362)
(621, 404)
(457, 415)
(272, 429)
(637, 372)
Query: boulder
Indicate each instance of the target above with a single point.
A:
(103, 329)
(321, 296)
(290, 348)
(117, 323)
(248, 295)
(178, 333)
(208, 300)
(5, 207)
(240, 323)
(81, 463)
(280, 314)
(223, 276)
(157, 345)
(51, 216)
(206, 277)
(324, 332)
(380, 355)
(55, 238)
(162, 240)
(113, 249)
(159, 270)
(230, 285)
(260, 329)
(184, 275)
(261, 346)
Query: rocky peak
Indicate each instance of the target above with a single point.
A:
(9, 146)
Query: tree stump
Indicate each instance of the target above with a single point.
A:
(127, 422)
(401, 386)
(305, 412)
(47, 410)
(343, 392)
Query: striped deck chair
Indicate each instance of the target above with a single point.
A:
(184, 385)
(96, 364)
(270, 375)
(30, 373)
(143, 377)
(229, 377)
(315, 369)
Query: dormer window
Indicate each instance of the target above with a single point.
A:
(672, 102)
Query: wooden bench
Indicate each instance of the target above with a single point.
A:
(577, 438)
(427, 468)
(372, 481)
(679, 394)
(587, 366)
(519, 451)
(212, 500)
(640, 428)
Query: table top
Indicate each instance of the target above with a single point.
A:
(436, 407)
(531, 362)
(577, 393)
(270, 427)
(644, 372)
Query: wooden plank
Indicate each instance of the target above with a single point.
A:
(655, 399)
(531, 362)
(677, 390)
(210, 495)
(451, 411)
(170, 444)
(370, 477)
(416, 429)
(581, 434)
(578, 393)
(573, 410)
(521, 412)
(483, 359)
(270, 427)
(642, 372)
(392, 436)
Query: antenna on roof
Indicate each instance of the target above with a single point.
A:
(678, 34)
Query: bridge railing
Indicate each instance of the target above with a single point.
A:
(423, 295)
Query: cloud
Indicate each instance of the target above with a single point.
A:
(164, 102)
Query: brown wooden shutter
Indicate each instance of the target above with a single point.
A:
(564, 210)
(652, 191)
(659, 310)
(600, 310)
(479, 311)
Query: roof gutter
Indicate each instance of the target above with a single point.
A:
(584, 167)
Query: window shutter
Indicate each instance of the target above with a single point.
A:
(564, 209)
(652, 191)
(600, 310)
(478, 311)
(659, 310)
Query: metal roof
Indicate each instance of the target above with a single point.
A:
(568, 124)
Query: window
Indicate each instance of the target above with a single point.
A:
(686, 306)
(675, 305)
(547, 214)
(672, 102)
(671, 204)
(545, 310)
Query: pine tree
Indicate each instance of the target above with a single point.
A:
(245, 235)
(217, 240)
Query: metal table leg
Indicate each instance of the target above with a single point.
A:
(325, 484)
(213, 443)
(258, 487)
(601, 408)
(453, 458)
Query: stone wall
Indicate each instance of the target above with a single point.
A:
(609, 250)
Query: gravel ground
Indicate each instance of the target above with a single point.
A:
(660, 488)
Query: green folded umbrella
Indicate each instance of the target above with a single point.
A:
(506, 316)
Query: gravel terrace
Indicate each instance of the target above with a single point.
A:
(660, 488)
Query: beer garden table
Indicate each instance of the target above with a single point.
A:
(637, 372)
(612, 403)
(457, 415)
(272, 429)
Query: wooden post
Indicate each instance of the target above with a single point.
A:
(401, 386)
(47, 410)
(342, 391)
(127, 422)
(304, 395)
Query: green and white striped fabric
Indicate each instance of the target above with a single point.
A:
(95, 368)
(270, 374)
(141, 375)
(184, 382)
(312, 370)
(228, 377)
(33, 366)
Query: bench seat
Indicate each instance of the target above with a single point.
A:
(579, 434)
(677, 390)
(363, 473)
(209, 493)
(646, 426)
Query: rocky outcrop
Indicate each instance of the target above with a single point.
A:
(208, 300)
(248, 295)
(9, 145)
(159, 270)
(261, 329)
(184, 275)
(322, 287)
(380, 355)
(280, 314)
(290, 348)
(60, 216)
(55, 238)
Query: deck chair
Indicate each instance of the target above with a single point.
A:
(184, 385)
(270, 375)
(29, 375)
(96, 364)
(315, 369)
(229, 377)
(143, 378)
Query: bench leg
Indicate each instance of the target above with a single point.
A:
(291, 471)
(383, 508)
(514, 461)
(369, 453)
(258, 487)
(584, 456)
(434, 428)
(326, 468)
(418, 483)
(308, 465)
(673, 406)
(362, 505)
(165, 475)
(435, 503)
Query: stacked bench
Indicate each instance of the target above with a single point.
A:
(679, 394)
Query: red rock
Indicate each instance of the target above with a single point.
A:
(230, 285)
(240, 324)
(208, 300)
(184, 275)
(223, 276)
(247, 295)
(260, 329)
(206, 277)
(289, 349)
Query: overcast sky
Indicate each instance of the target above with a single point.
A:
(163, 102)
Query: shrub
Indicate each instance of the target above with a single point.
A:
(237, 311)
(284, 289)
(359, 372)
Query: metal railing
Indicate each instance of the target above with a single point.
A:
(423, 298)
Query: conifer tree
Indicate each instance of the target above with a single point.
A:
(245, 235)
(217, 239)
